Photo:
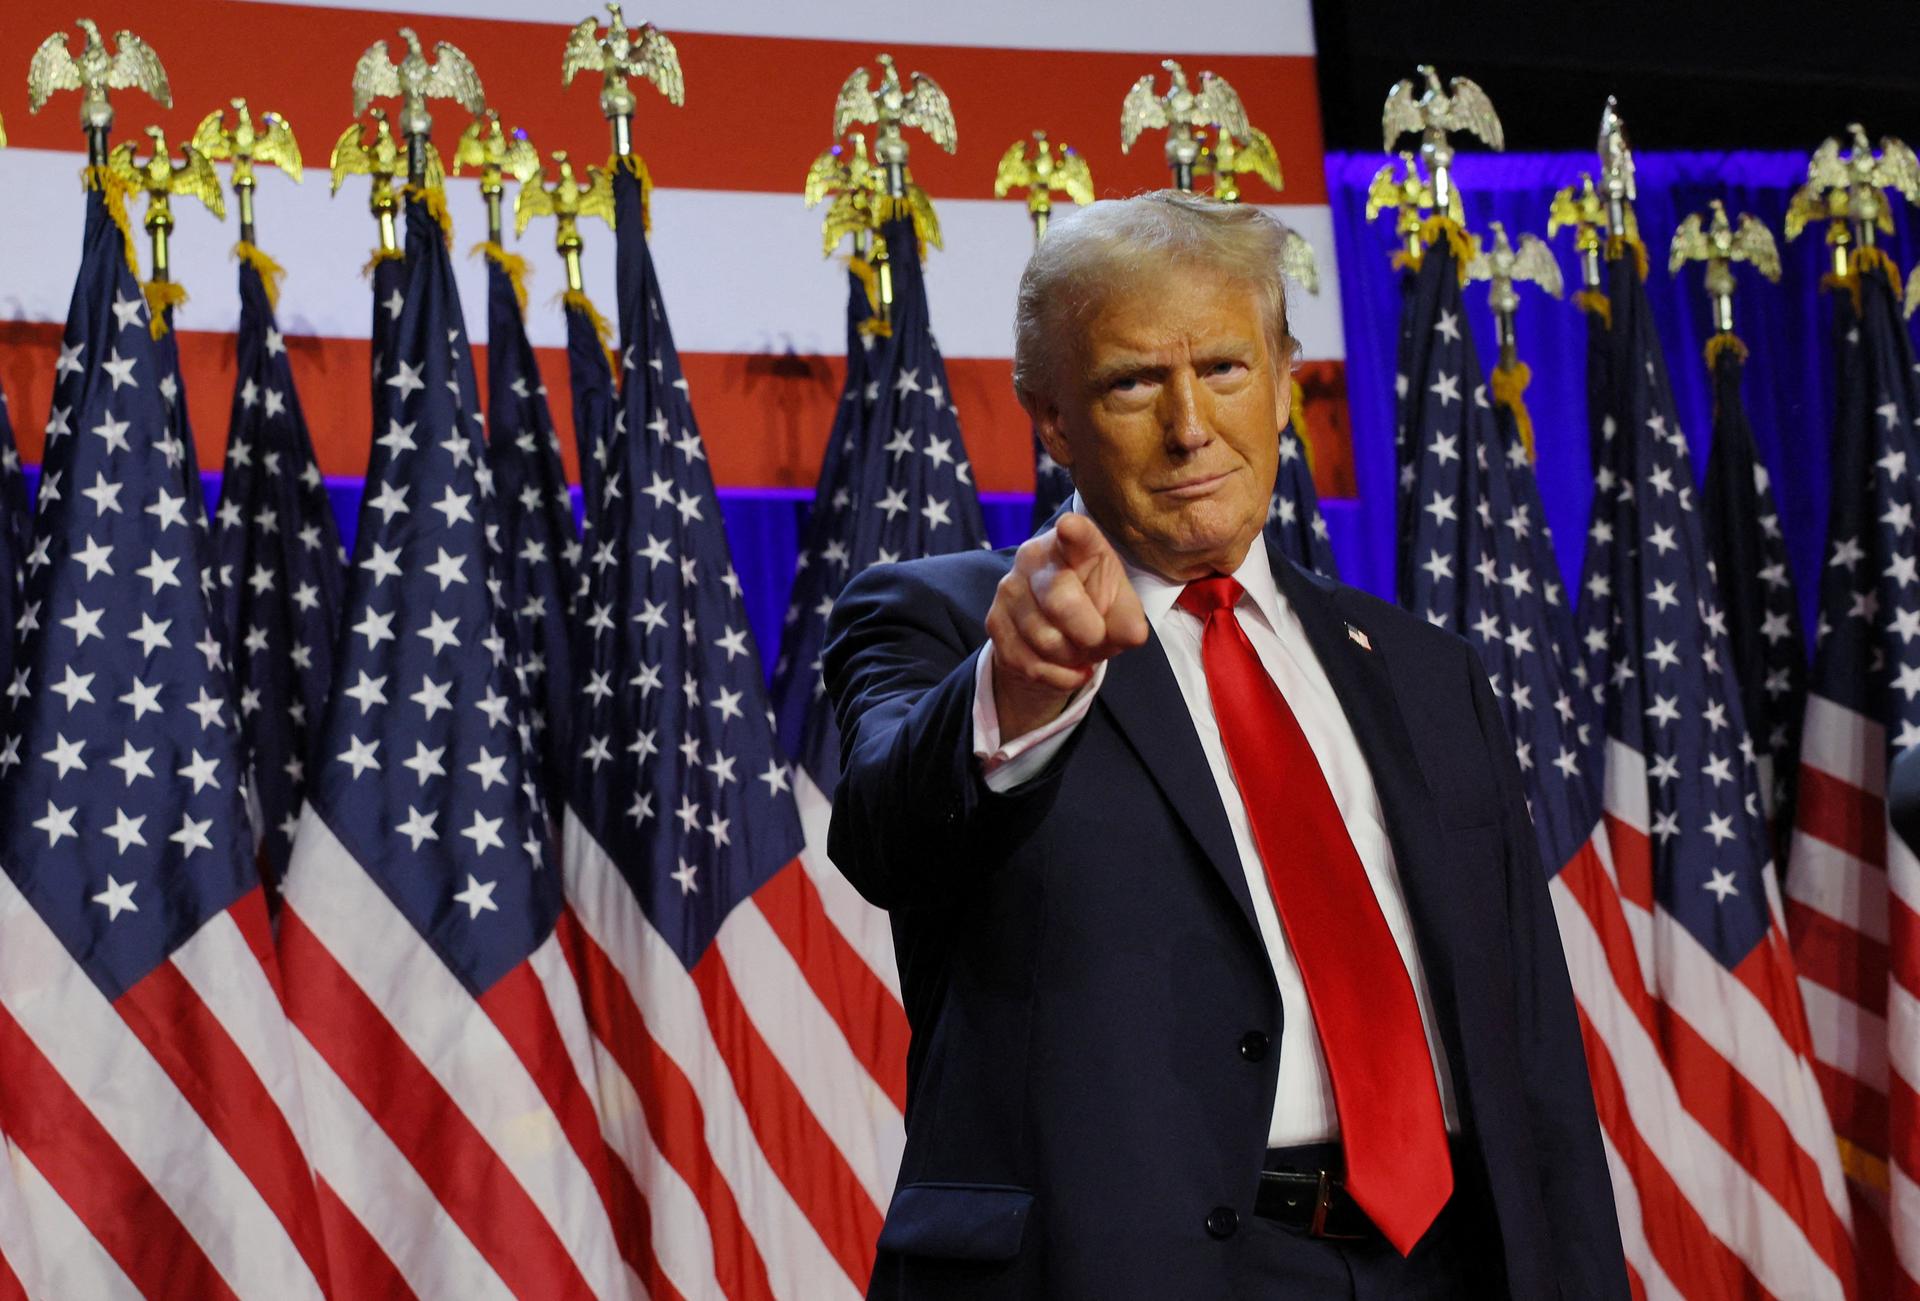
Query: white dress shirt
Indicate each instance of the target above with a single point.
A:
(1303, 1105)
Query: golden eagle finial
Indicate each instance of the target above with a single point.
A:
(1719, 243)
(415, 80)
(1180, 112)
(888, 108)
(566, 200)
(132, 66)
(372, 151)
(1045, 173)
(487, 145)
(160, 179)
(616, 56)
(244, 144)
(1433, 113)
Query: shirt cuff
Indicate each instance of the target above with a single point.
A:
(1018, 762)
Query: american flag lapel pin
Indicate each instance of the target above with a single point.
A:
(1359, 638)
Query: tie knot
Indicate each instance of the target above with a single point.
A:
(1205, 595)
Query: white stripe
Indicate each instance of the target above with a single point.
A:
(1844, 744)
(798, 1262)
(1903, 872)
(64, 1259)
(865, 928)
(1834, 883)
(1902, 1040)
(87, 1042)
(562, 992)
(221, 968)
(1740, 1027)
(376, 1182)
(454, 1040)
(682, 1239)
(1633, 1238)
(1626, 785)
(1846, 1036)
(1904, 1221)
(1735, 1207)
(777, 296)
(850, 1105)
(1238, 27)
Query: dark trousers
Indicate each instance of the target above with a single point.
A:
(1457, 1260)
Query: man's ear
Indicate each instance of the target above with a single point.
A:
(1286, 358)
(1048, 426)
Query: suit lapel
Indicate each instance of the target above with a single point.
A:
(1145, 703)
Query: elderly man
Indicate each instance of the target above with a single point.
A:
(1223, 935)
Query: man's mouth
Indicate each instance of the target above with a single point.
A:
(1199, 486)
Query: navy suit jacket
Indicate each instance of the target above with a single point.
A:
(1095, 1019)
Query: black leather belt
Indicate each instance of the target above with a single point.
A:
(1314, 1201)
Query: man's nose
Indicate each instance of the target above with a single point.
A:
(1185, 420)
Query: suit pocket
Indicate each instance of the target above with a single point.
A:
(953, 1221)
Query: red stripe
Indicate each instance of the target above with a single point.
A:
(1632, 856)
(1903, 1145)
(249, 913)
(1636, 1287)
(361, 1267)
(518, 1007)
(11, 1288)
(1835, 956)
(765, 418)
(1842, 814)
(1698, 1263)
(215, 1078)
(452, 1157)
(674, 1114)
(1903, 943)
(1738, 1116)
(79, 1159)
(799, 1150)
(865, 1010)
(1873, 1247)
(301, 57)
(1857, 1109)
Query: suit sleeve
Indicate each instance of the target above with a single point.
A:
(1576, 1187)
(914, 823)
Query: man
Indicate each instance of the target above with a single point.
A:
(1222, 931)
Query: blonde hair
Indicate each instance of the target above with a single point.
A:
(1090, 253)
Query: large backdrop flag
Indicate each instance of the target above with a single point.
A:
(1853, 887)
(441, 1043)
(741, 1089)
(277, 556)
(149, 1089)
(1690, 852)
(16, 528)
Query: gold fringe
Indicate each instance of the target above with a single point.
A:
(1870, 260)
(434, 201)
(161, 295)
(1862, 1166)
(271, 272)
(1595, 303)
(577, 300)
(875, 328)
(868, 277)
(1404, 261)
(382, 255)
(114, 190)
(512, 264)
(1617, 246)
(1510, 391)
(1436, 228)
(1724, 342)
(636, 166)
(1297, 417)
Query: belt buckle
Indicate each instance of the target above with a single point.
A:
(1322, 1204)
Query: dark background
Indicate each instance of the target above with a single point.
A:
(1688, 74)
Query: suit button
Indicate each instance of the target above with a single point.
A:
(1222, 1221)
(1253, 1045)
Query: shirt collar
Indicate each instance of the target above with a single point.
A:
(1158, 595)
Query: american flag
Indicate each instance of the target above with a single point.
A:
(1755, 1159)
(799, 705)
(1052, 485)
(149, 1092)
(16, 534)
(1750, 560)
(535, 520)
(180, 434)
(596, 415)
(440, 1041)
(277, 552)
(1853, 889)
(1294, 522)
(755, 1108)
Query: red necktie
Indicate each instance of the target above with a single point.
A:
(1391, 1125)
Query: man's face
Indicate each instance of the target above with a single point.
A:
(1168, 415)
